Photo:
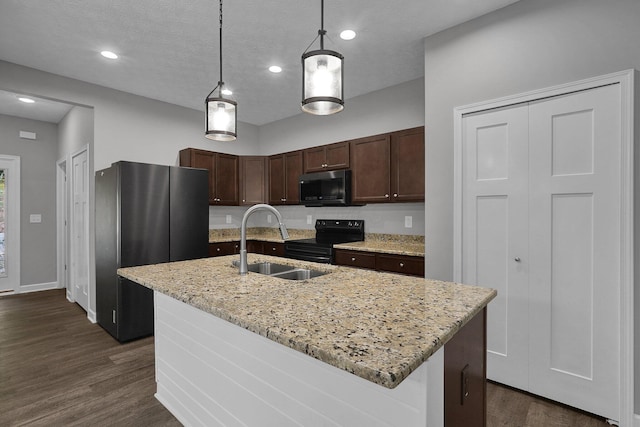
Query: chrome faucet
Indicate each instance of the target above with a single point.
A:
(243, 231)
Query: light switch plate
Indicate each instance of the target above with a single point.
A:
(408, 221)
(35, 218)
(228, 219)
(309, 219)
(269, 218)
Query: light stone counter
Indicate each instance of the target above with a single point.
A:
(378, 326)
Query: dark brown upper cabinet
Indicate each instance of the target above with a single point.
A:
(326, 157)
(407, 165)
(223, 174)
(253, 180)
(284, 174)
(388, 167)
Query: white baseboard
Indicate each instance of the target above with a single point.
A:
(38, 287)
(636, 420)
(91, 315)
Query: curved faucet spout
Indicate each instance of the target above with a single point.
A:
(243, 231)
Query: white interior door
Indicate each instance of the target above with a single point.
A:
(9, 223)
(495, 216)
(79, 262)
(575, 235)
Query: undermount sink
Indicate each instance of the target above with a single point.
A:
(299, 274)
(282, 271)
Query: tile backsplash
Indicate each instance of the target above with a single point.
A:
(383, 218)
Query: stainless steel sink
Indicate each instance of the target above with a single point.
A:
(268, 268)
(282, 271)
(299, 274)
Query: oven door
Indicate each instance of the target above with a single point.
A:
(308, 252)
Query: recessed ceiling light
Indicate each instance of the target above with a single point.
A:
(348, 35)
(226, 92)
(26, 100)
(109, 54)
(275, 69)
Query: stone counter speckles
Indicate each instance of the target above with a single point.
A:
(378, 326)
(257, 233)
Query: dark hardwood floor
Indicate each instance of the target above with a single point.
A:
(58, 369)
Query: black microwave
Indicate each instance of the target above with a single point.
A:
(331, 188)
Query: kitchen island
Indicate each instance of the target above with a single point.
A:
(345, 348)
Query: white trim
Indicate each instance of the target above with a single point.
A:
(13, 238)
(61, 216)
(71, 179)
(36, 287)
(636, 420)
(626, 81)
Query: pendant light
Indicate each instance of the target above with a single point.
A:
(221, 117)
(322, 75)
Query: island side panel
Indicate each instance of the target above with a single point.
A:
(211, 372)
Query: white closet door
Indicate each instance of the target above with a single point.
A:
(495, 220)
(575, 199)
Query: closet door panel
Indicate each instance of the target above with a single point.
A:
(575, 196)
(495, 220)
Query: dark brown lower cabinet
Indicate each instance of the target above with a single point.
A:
(265, 248)
(403, 264)
(465, 375)
(224, 248)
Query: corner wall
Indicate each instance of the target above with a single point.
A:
(528, 45)
(37, 196)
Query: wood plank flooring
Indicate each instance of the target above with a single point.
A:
(58, 369)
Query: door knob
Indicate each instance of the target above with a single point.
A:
(517, 259)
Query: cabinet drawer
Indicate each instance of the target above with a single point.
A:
(223, 248)
(356, 259)
(412, 265)
(275, 249)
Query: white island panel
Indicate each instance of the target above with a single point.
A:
(213, 373)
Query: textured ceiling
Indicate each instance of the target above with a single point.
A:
(169, 49)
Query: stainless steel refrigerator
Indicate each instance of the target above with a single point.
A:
(145, 214)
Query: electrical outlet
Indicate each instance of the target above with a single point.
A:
(228, 219)
(408, 221)
(269, 218)
(309, 219)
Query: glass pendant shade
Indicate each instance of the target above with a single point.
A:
(221, 119)
(322, 74)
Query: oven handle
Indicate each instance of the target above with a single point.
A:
(305, 257)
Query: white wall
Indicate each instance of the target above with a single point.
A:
(528, 45)
(75, 131)
(394, 108)
(37, 196)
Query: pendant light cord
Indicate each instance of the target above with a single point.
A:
(221, 81)
(321, 32)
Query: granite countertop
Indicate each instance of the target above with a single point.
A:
(378, 326)
(381, 243)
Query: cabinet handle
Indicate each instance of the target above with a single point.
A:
(273, 249)
(386, 195)
(401, 264)
(244, 200)
(353, 258)
(395, 194)
(218, 249)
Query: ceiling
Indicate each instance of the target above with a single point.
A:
(169, 49)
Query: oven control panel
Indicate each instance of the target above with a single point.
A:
(328, 225)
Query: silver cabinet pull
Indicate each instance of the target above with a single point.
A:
(401, 264)
(386, 195)
(353, 258)
(517, 259)
(395, 194)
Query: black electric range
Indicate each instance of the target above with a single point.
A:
(328, 233)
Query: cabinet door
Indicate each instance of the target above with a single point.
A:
(223, 248)
(253, 180)
(337, 156)
(293, 170)
(226, 179)
(371, 169)
(276, 180)
(191, 157)
(314, 159)
(407, 165)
